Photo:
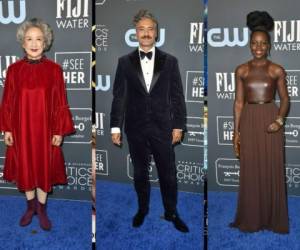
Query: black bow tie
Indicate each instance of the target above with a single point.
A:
(148, 55)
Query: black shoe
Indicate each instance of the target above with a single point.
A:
(177, 222)
(138, 219)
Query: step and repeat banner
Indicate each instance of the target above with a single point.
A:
(71, 23)
(180, 34)
(228, 47)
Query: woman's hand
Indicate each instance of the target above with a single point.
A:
(273, 127)
(57, 140)
(236, 144)
(8, 139)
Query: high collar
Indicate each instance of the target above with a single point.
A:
(32, 61)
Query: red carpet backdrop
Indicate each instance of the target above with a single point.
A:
(180, 34)
(228, 47)
(71, 23)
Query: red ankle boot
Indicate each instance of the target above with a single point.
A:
(31, 210)
(45, 223)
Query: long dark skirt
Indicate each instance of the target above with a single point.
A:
(262, 201)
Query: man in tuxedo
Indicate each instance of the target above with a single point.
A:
(148, 92)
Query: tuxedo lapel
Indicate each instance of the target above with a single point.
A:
(158, 66)
(135, 60)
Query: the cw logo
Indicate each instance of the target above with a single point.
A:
(11, 18)
(103, 85)
(215, 39)
(100, 2)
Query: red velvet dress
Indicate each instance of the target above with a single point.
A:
(34, 108)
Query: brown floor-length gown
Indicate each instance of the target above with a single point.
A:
(262, 201)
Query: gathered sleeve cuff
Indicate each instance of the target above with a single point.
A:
(7, 103)
(63, 123)
(62, 117)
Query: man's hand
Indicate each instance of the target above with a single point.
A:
(116, 138)
(176, 135)
(57, 140)
(8, 139)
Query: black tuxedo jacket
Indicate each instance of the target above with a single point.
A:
(163, 106)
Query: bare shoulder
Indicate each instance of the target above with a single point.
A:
(242, 70)
(276, 70)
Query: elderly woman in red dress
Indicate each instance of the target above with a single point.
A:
(35, 116)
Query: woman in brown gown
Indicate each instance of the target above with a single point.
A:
(259, 134)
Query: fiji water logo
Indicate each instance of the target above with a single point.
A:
(11, 17)
(287, 35)
(287, 31)
(72, 9)
(72, 14)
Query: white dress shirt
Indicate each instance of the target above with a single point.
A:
(148, 67)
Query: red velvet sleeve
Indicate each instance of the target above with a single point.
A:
(62, 119)
(7, 103)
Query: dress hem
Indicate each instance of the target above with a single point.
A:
(260, 228)
(22, 189)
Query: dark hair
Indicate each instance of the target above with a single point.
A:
(144, 14)
(260, 21)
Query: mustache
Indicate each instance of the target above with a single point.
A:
(146, 37)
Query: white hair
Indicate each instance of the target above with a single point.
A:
(37, 23)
